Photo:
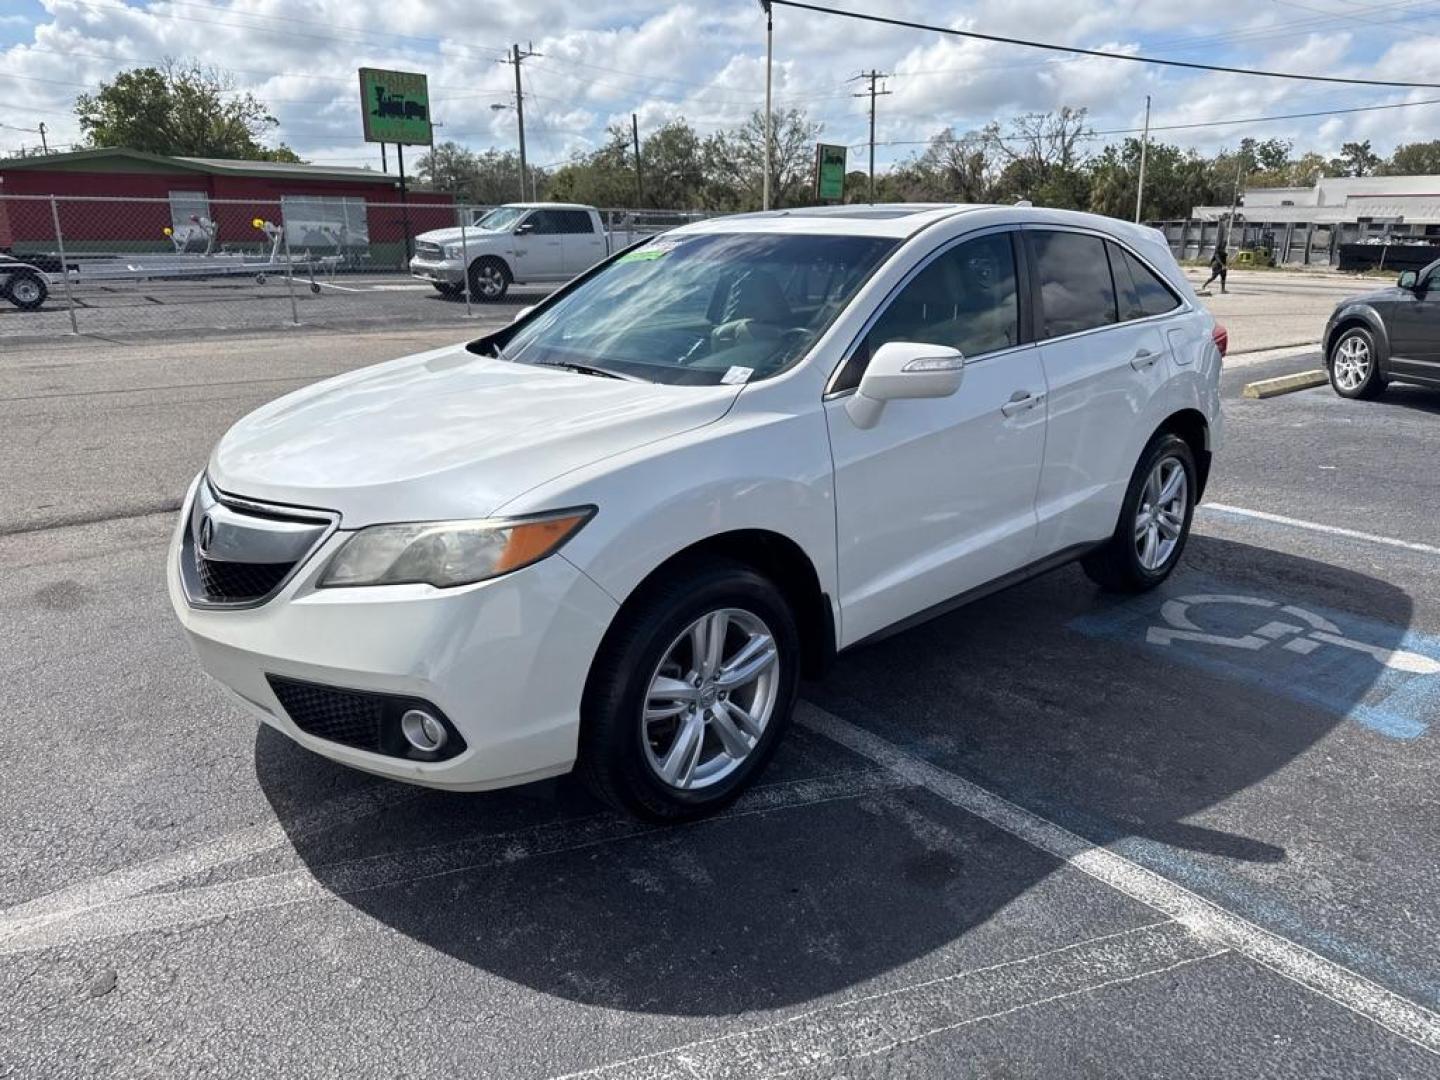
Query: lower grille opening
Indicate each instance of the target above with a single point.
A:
(236, 581)
(359, 718)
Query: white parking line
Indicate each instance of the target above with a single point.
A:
(1347, 988)
(111, 908)
(877, 1023)
(1315, 526)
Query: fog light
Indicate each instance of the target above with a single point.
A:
(423, 731)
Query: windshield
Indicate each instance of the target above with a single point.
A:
(706, 309)
(501, 218)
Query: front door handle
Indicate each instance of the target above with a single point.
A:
(1143, 359)
(1021, 400)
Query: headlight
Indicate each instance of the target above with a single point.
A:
(448, 553)
(454, 251)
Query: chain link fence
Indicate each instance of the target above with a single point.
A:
(102, 266)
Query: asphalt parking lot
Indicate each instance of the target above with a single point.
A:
(1053, 834)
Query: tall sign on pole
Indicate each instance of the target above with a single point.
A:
(829, 173)
(395, 107)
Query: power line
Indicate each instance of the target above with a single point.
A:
(1204, 123)
(1101, 53)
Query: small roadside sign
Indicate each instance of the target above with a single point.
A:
(829, 172)
(395, 107)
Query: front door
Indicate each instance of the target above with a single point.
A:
(938, 498)
(1413, 323)
(539, 250)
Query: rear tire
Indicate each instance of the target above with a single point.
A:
(1154, 520)
(489, 280)
(26, 290)
(654, 744)
(1354, 365)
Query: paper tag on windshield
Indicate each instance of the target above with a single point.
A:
(737, 375)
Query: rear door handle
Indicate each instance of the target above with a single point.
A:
(1143, 359)
(1021, 400)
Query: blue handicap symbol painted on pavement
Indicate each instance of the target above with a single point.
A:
(1374, 673)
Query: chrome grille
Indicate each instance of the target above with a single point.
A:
(426, 250)
(236, 553)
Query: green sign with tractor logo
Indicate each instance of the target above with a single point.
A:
(395, 106)
(829, 172)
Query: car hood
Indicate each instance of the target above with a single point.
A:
(471, 235)
(445, 435)
(1375, 297)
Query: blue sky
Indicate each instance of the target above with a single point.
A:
(704, 60)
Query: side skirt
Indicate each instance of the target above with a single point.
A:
(1005, 581)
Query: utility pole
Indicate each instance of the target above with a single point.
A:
(1144, 146)
(639, 180)
(516, 56)
(769, 135)
(874, 76)
(43, 144)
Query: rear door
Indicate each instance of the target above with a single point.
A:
(539, 251)
(1104, 354)
(584, 243)
(939, 496)
(1413, 323)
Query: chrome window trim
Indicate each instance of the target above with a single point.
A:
(329, 521)
(830, 393)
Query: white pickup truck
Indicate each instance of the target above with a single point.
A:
(515, 244)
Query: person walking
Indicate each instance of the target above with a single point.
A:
(1218, 268)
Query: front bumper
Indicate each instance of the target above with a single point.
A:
(505, 660)
(440, 271)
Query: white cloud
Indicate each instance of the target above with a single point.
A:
(704, 60)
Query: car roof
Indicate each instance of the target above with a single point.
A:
(903, 220)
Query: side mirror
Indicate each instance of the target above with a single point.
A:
(904, 369)
(522, 313)
(1408, 280)
(524, 227)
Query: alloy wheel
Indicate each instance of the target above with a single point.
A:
(1160, 517)
(26, 291)
(1352, 363)
(710, 699)
(490, 281)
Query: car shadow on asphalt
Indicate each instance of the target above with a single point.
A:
(1052, 694)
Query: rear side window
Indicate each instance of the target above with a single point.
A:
(1076, 290)
(576, 221)
(1154, 295)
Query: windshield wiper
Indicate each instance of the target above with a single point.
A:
(589, 369)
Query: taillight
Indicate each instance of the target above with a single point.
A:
(1221, 337)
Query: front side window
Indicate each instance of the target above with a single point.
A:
(965, 298)
(1076, 291)
(703, 309)
(501, 218)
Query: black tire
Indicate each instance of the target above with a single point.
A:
(27, 290)
(1117, 565)
(489, 280)
(614, 760)
(450, 292)
(1373, 383)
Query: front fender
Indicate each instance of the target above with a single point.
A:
(1349, 314)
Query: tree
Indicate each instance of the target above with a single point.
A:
(735, 162)
(1356, 159)
(180, 108)
(964, 168)
(1413, 159)
(1042, 152)
(486, 178)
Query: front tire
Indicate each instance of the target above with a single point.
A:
(1354, 365)
(450, 292)
(489, 280)
(690, 693)
(1154, 520)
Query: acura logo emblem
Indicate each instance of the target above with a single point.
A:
(207, 534)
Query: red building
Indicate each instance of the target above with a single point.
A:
(119, 200)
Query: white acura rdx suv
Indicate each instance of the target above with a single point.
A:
(613, 535)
